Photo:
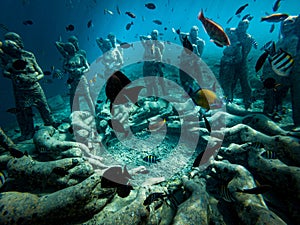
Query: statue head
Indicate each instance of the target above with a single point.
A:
(154, 34)
(15, 38)
(288, 26)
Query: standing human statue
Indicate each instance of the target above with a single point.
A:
(21, 67)
(152, 67)
(76, 65)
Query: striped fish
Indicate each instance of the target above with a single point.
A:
(214, 30)
(268, 154)
(226, 194)
(254, 43)
(3, 176)
(151, 159)
(282, 63)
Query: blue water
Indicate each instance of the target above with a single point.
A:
(51, 17)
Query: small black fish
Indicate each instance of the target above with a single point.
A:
(241, 9)
(188, 47)
(158, 22)
(128, 26)
(151, 159)
(276, 5)
(90, 24)
(272, 28)
(125, 45)
(118, 10)
(256, 190)
(130, 14)
(150, 6)
(261, 60)
(153, 197)
(228, 21)
(207, 125)
(198, 159)
(70, 27)
(27, 22)
(19, 64)
(165, 28)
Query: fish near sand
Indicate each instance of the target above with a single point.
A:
(214, 30)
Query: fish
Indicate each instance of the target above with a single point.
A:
(272, 28)
(214, 30)
(204, 98)
(118, 10)
(158, 22)
(128, 26)
(89, 24)
(254, 43)
(154, 197)
(107, 11)
(188, 47)
(126, 45)
(19, 64)
(207, 124)
(3, 27)
(241, 9)
(130, 14)
(165, 28)
(151, 159)
(226, 194)
(116, 177)
(3, 177)
(282, 63)
(114, 86)
(256, 190)
(198, 159)
(228, 21)
(276, 5)
(70, 27)
(269, 50)
(274, 18)
(27, 22)
(268, 154)
(150, 6)
(246, 16)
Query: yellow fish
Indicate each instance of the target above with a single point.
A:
(205, 98)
